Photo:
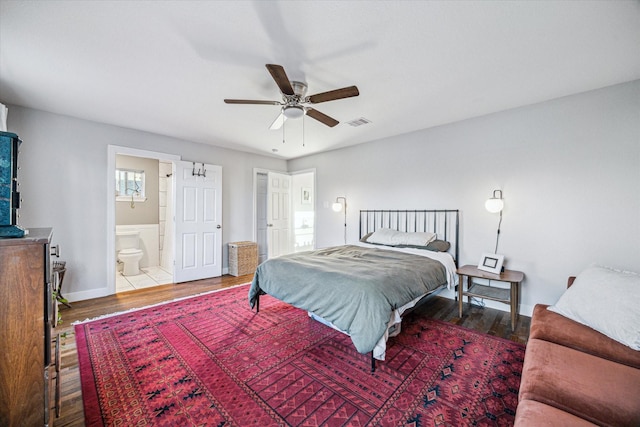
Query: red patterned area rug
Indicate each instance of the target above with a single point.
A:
(211, 361)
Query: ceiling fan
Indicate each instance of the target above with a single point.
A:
(294, 96)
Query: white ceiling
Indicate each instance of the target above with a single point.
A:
(165, 67)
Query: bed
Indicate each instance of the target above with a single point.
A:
(364, 289)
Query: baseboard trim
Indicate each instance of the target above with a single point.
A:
(88, 294)
(525, 310)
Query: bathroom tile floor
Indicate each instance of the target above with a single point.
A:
(149, 276)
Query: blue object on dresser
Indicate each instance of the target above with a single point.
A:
(9, 196)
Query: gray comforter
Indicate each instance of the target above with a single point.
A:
(353, 287)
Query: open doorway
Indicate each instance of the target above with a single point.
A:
(284, 212)
(144, 237)
(304, 210)
(140, 248)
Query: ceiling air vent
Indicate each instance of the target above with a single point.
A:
(359, 122)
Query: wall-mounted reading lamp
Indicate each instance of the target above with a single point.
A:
(494, 205)
(337, 207)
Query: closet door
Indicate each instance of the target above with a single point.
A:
(198, 221)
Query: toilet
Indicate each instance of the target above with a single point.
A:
(128, 251)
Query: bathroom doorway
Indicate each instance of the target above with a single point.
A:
(140, 220)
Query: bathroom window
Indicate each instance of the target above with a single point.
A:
(130, 185)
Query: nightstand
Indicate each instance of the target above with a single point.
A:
(503, 295)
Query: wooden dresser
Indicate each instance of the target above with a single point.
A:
(27, 362)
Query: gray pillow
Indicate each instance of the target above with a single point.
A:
(364, 238)
(435, 246)
(439, 246)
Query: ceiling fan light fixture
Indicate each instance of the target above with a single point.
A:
(293, 111)
(294, 96)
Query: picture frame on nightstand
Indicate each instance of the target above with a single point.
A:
(491, 263)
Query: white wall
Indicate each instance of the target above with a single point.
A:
(569, 169)
(62, 176)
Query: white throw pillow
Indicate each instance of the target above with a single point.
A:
(418, 239)
(606, 300)
(386, 236)
(383, 236)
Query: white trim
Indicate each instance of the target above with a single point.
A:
(257, 171)
(90, 294)
(129, 199)
(112, 151)
(525, 309)
(310, 170)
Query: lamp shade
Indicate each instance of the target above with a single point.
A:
(337, 207)
(494, 205)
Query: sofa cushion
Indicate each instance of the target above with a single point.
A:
(549, 326)
(589, 387)
(537, 414)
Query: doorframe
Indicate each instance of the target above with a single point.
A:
(257, 171)
(112, 152)
(314, 201)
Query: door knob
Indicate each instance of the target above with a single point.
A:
(218, 226)
(269, 225)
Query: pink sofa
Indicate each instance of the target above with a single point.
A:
(576, 376)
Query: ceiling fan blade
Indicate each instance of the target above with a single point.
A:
(321, 117)
(250, 101)
(278, 122)
(278, 74)
(345, 92)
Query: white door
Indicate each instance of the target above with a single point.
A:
(279, 214)
(198, 221)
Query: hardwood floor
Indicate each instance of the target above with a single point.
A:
(486, 320)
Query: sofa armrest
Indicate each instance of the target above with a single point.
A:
(550, 326)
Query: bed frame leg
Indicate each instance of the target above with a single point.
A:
(373, 363)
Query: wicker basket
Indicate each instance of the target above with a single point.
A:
(243, 258)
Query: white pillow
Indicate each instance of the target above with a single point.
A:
(386, 236)
(417, 239)
(383, 236)
(606, 300)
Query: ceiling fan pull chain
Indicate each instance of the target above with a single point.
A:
(303, 130)
(283, 125)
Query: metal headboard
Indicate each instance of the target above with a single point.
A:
(444, 222)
